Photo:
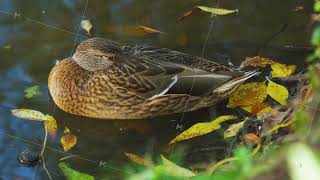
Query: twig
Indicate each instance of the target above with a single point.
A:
(42, 151)
(45, 168)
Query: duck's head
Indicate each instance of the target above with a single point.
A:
(96, 53)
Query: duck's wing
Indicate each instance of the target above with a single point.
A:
(151, 78)
(169, 55)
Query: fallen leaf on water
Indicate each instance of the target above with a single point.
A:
(7, 47)
(32, 91)
(282, 70)
(86, 25)
(250, 139)
(298, 8)
(254, 109)
(278, 92)
(150, 30)
(248, 94)
(265, 111)
(215, 11)
(233, 129)
(200, 129)
(257, 61)
(72, 174)
(29, 114)
(68, 140)
(139, 160)
(51, 126)
(175, 170)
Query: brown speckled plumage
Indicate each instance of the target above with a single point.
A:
(105, 80)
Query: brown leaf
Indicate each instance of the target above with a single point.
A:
(250, 139)
(68, 141)
(139, 160)
(257, 61)
(150, 30)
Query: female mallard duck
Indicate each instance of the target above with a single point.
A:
(106, 80)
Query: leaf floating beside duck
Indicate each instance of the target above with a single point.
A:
(108, 81)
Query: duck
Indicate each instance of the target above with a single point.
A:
(106, 80)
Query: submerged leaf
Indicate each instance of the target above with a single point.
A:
(29, 114)
(215, 11)
(233, 129)
(32, 91)
(86, 25)
(72, 174)
(175, 170)
(200, 129)
(139, 160)
(51, 126)
(68, 141)
(248, 94)
(282, 70)
(150, 30)
(278, 92)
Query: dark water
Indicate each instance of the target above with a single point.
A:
(36, 33)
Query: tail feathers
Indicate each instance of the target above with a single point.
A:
(232, 83)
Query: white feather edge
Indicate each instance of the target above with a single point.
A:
(175, 80)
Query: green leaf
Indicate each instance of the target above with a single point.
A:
(217, 11)
(72, 174)
(315, 38)
(278, 92)
(29, 114)
(316, 6)
(173, 169)
(32, 91)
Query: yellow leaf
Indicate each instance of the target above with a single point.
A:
(29, 114)
(248, 94)
(256, 61)
(200, 129)
(282, 70)
(138, 159)
(150, 30)
(174, 169)
(265, 111)
(215, 11)
(51, 126)
(68, 141)
(233, 129)
(278, 92)
(86, 25)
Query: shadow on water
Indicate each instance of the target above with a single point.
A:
(36, 33)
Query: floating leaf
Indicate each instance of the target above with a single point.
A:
(282, 70)
(29, 114)
(138, 159)
(278, 92)
(68, 141)
(257, 61)
(298, 8)
(233, 129)
(200, 129)
(265, 111)
(72, 174)
(175, 170)
(51, 126)
(215, 11)
(248, 94)
(150, 30)
(250, 139)
(86, 25)
(32, 91)
(254, 109)
(7, 47)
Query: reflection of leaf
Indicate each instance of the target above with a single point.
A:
(68, 141)
(32, 91)
(278, 92)
(72, 174)
(29, 114)
(248, 94)
(233, 129)
(51, 126)
(256, 61)
(200, 129)
(282, 70)
(86, 25)
(150, 30)
(138, 159)
(175, 170)
(216, 11)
